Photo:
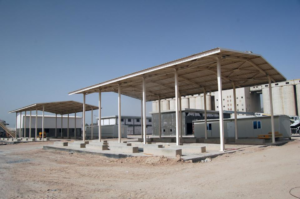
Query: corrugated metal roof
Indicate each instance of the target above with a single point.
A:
(62, 107)
(195, 73)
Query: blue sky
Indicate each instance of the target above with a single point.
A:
(49, 48)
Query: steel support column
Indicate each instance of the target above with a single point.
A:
(16, 134)
(205, 114)
(99, 115)
(56, 125)
(119, 114)
(92, 125)
(159, 118)
(221, 118)
(43, 120)
(180, 117)
(61, 125)
(25, 133)
(176, 107)
(68, 133)
(142, 134)
(36, 113)
(83, 119)
(75, 128)
(144, 109)
(235, 112)
(30, 125)
(271, 109)
(21, 125)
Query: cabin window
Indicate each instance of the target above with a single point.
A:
(256, 125)
(209, 127)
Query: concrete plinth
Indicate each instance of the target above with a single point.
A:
(124, 149)
(169, 152)
(31, 139)
(77, 145)
(60, 143)
(190, 149)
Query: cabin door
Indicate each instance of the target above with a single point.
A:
(230, 129)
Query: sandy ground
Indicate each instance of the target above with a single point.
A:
(28, 171)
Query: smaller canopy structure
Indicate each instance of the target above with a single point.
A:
(62, 107)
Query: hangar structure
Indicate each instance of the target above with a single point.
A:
(61, 108)
(212, 70)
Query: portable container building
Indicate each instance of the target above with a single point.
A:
(131, 125)
(168, 124)
(248, 127)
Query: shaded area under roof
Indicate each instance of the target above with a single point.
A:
(63, 107)
(195, 73)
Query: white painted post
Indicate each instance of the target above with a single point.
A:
(75, 127)
(99, 115)
(61, 125)
(119, 114)
(176, 107)
(92, 125)
(25, 133)
(30, 125)
(144, 110)
(159, 118)
(271, 108)
(43, 123)
(36, 113)
(221, 119)
(83, 119)
(68, 133)
(21, 125)
(205, 114)
(16, 134)
(56, 125)
(142, 132)
(235, 112)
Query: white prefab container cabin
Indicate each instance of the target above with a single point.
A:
(130, 125)
(248, 127)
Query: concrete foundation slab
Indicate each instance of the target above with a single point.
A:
(60, 143)
(250, 141)
(124, 149)
(77, 145)
(168, 152)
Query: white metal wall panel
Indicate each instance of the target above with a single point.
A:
(289, 104)
(266, 100)
(298, 97)
(277, 100)
(112, 121)
(192, 102)
(184, 103)
(105, 121)
(172, 104)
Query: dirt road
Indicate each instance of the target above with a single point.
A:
(28, 171)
